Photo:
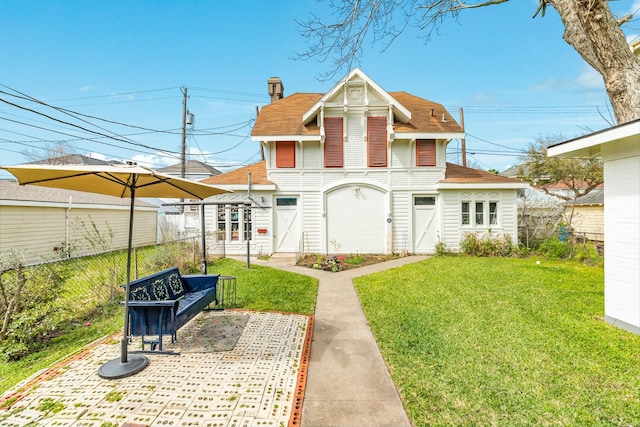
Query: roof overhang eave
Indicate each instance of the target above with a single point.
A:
(243, 187)
(590, 145)
(429, 135)
(270, 138)
(480, 186)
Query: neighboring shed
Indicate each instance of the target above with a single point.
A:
(41, 223)
(619, 148)
(588, 216)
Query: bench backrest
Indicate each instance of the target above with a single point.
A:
(164, 285)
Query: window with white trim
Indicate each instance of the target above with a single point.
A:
(493, 213)
(479, 213)
(466, 215)
(230, 228)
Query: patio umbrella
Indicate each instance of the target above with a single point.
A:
(125, 181)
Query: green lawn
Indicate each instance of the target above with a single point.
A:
(266, 289)
(491, 341)
(259, 288)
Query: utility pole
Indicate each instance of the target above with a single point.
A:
(183, 147)
(463, 142)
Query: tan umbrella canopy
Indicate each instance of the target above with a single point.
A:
(125, 181)
(118, 180)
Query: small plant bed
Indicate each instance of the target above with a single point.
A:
(337, 263)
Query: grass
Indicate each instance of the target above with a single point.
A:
(492, 341)
(259, 288)
(266, 289)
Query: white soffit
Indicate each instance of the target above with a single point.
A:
(589, 145)
(400, 112)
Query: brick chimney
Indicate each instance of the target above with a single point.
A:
(276, 88)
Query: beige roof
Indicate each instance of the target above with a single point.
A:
(11, 190)
(74, 159)
(191, 167)
(240, 176)
(284, 117)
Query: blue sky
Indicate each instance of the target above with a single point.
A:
(126, 62)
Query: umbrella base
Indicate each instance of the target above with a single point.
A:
(114, 369)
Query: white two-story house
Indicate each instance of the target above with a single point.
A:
(358, 170)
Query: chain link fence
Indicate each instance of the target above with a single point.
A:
(37, 299)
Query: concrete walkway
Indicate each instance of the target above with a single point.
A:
(256, 383)
(348, 383)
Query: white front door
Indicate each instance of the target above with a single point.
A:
(287, 235)
(424, 224)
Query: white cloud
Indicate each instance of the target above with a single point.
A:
(154, 161)
(635, 7)
(85, 88)
(588, 80)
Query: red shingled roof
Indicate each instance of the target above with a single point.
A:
(454, 174)
(463, 175)
(284, 117)
(239, 176)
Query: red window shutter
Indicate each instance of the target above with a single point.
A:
(425, 152)
(333, 142)
(285, 154)
(377, 141)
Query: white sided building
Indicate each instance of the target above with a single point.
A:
(358, 170)
(619, 148)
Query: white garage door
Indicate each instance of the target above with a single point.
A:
(356, 220)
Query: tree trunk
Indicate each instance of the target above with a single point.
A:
(592, 30)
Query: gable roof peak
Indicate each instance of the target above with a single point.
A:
(400, 112)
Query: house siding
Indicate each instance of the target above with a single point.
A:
(355, 148)
(588, 222)
(313, 227)
(452, 216)
(34, 231)
(622, 202)
(372, 206)
(400, 209)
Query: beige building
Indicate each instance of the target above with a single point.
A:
(43, 223)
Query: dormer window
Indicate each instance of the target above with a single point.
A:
(425, 152)
(333, 142)
(285, 154)
(377, 141)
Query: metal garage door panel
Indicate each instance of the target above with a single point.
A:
(356, 220)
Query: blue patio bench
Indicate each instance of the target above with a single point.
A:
(163, 302)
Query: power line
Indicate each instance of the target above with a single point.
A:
(493, 143)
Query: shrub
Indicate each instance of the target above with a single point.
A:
(30, 330)
(554, 248)
(501, 246)
(356, 259)
(587, 253)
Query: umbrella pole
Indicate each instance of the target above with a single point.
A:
(125, 334)
(126, 365)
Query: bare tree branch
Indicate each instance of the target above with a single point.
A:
(590, 28)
